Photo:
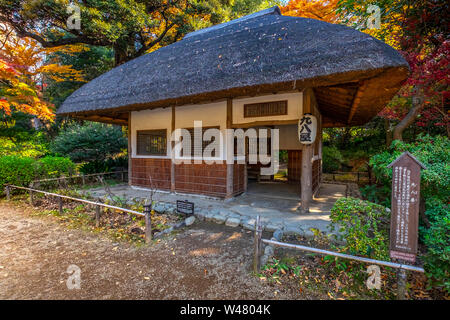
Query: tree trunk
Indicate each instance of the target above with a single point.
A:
(417, 103)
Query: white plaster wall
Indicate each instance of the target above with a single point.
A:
(295, 103)
(211, 115)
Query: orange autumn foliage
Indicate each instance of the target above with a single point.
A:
(24, 68)
(324, 10)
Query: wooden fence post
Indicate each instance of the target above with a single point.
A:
(401, 284)
(60, 205)
(148, 222)
(7, 191)
(97, 216)
(31, 194)
(257, 245)
(83, 179)
(122, 176)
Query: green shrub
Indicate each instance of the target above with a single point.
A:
(331, 159)
(363, 225)
(21, 171)
(91, 141)
(52, 167)
(17, 170)
(437, 240)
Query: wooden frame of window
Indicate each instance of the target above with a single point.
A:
(266, 109)
(151, 142)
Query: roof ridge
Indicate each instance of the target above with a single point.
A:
(275, 10)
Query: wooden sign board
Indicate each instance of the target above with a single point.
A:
(307, 129)
(405, 207)
(185, 207)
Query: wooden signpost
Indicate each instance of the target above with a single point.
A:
(405, 207)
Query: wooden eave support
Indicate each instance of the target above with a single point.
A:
(356, 101)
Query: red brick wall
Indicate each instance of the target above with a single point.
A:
(157, 169)
(189, 178)
(202, 178)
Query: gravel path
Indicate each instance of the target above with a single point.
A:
(206, 261)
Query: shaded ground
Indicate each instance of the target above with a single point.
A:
(206, 261)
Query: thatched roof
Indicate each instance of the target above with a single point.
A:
(354, 75)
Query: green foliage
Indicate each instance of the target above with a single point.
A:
(437, 240)
(434, 153)
(363, 225)
(89, 142)
(13, 147)
(104, 166)
(19, 170)
(53, 167)
(377, 194)
(331, 159)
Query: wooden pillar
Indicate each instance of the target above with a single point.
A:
(307, 154)
(230, 151)
(172, 154)
(130, 150)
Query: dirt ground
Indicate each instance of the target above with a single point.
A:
(204, 261)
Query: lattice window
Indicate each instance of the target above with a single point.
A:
(196, 152)
(265, 109)
(152, 142)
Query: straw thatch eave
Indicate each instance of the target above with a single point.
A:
(353, 74)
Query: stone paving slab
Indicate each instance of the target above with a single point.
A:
(275, 212)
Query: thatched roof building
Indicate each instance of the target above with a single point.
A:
(353, 74)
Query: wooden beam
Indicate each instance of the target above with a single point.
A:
(172, 154)
(130, 150)
(262, 123)
(356, 101)
(230, 166)
(103, 119)
(307, 154)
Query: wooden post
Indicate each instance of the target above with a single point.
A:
(130, 150)
(83, 179)
(230, 151)
(31, 194)
(401, 284)
(148, 222)
(307, 154)
(7, 191)
(257, 245)
(122, 176)
(60, 205)
(97, 216)
(172, 155)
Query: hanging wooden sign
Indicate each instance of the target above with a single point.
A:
(307, 129)
(405, 207)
